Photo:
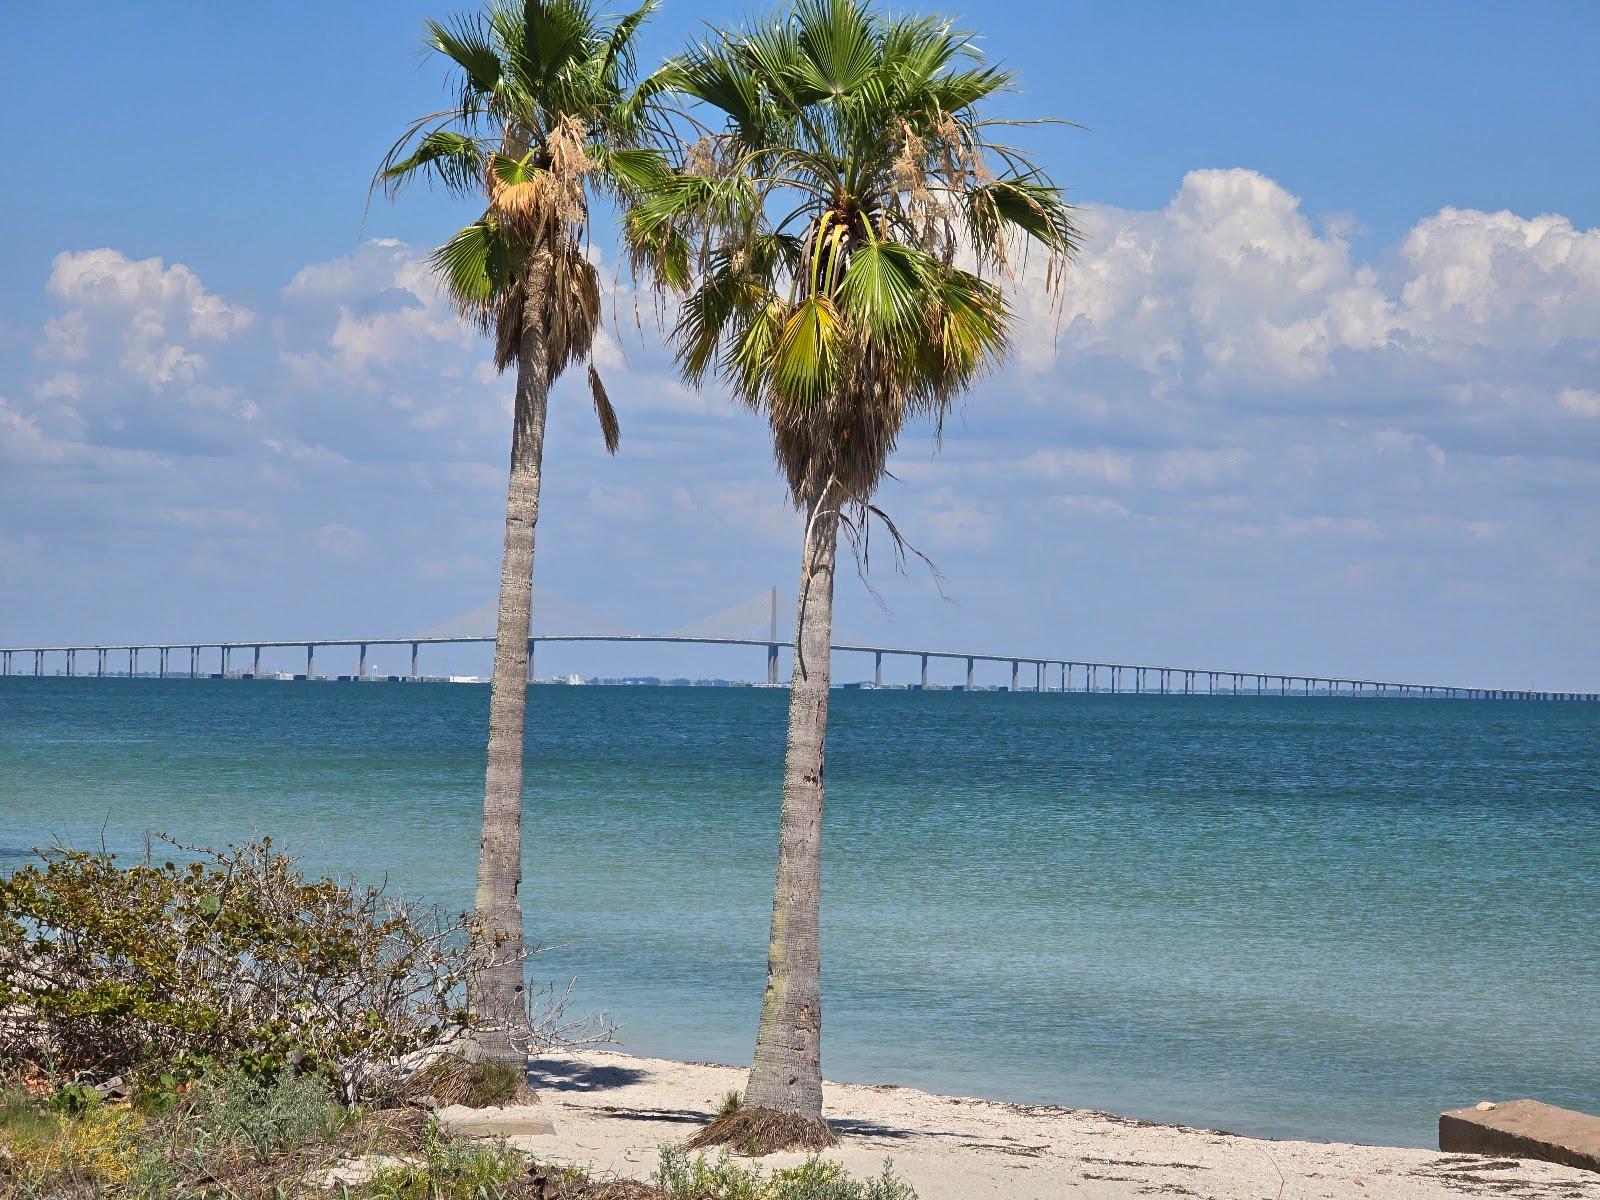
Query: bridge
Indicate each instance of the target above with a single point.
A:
(1049, 673)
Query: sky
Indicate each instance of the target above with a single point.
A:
(1324, 395)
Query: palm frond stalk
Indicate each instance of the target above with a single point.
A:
(544, 115)
(843, 233)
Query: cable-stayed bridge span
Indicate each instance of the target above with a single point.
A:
(752, 623)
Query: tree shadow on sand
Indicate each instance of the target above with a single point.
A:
(566, 1075)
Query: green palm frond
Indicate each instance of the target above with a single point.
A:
(1028, 206)
(475, 267)
(465, 41)
(837, 54)
(883, 287)
(453, 159)
(514, 172)
(807, 354)
(617, 57)
(970, 328)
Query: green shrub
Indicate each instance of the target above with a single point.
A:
(234, 956)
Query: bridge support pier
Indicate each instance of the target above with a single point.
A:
(1038, 676)
(413, 660)
(924, 672)
(1015, 677)
(224, 660)
(877, 668)
(361, 661)
(969, 674)
(310, 662)
(100, 664)
(255, 664)
(133, 663)
(772, 664)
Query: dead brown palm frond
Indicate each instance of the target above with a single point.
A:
(575, 308)
(603, 410)
(756, 1131)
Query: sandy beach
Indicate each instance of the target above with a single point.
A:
(613, 1111)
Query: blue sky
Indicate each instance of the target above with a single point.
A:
(1327, 398)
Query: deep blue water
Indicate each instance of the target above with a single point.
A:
(1305, 917)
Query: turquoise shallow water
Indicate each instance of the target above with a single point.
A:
(1310, 918)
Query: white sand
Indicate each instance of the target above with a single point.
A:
(612, 1112)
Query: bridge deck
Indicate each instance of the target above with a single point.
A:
(1168, 679)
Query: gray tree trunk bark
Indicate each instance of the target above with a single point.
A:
(787, 1072)
(496, 989)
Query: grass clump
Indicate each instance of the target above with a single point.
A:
(451, 1079)
(681, 1176)
(446, 1170)
(820, 1178)
(265, 1118)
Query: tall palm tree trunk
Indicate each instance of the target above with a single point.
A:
(496, 988)
(787, 1072)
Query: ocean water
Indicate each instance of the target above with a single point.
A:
(1322, 918)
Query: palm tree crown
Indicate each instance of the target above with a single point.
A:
(545, 113)
(842, 227)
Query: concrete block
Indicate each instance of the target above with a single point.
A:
(1524, 1129)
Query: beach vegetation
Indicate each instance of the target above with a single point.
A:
(543, 118)
(684, 1176)
(843, 229)
(149, 975)
(231, 1133)
(288, 1137)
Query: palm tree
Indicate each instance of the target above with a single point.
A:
(543, 116)
(842, 228)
